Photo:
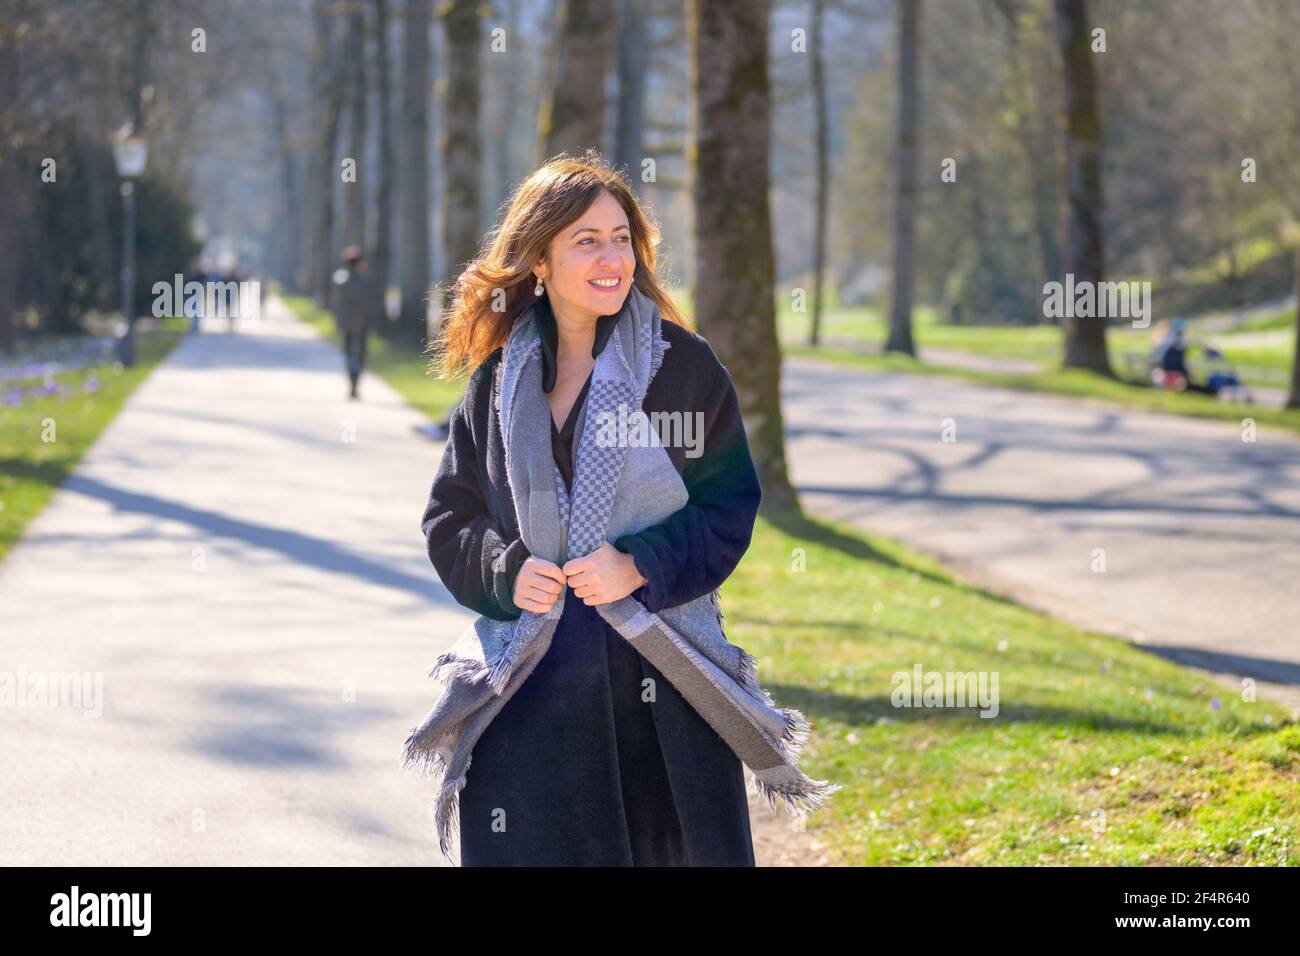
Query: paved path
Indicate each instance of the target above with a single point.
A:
(251, 584)
(1201, 531)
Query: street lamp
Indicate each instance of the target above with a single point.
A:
(130, 153)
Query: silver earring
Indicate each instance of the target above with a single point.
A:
(537, 289)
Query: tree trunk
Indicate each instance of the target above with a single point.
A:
(13, 209)
(1293, 397)
(633, 61)
(414, 177)
(503, 129)
(329, 94)
(734, 262)
(905, 159)
(381, 267)
(1082, 249)
(822, 146)
(573, 114)
(354, 193)
(460, 142)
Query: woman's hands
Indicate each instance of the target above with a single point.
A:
(538, 584)
(605, 575)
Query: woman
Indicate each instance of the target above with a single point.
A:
(642, 779)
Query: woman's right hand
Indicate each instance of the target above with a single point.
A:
(538, 584)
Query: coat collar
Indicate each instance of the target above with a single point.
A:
(550, 334)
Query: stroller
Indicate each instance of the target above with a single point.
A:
(1211, 374)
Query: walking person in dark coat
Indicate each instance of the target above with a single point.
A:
(352, 312)
(596, 759)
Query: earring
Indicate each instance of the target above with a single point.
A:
(537, 289)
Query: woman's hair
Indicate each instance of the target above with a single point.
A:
(497, 286)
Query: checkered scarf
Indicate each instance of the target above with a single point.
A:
(620, 487)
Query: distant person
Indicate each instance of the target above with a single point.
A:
(1171, 352)
(352, 311)
(194, 305)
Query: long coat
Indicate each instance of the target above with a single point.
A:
(642, 779)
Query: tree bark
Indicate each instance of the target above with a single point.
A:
(1082, 247)
(1293, 397)
(329, 96)
(354, 193)
(822, 147)
(734, 263)
(633, 61)
(905, 160)
(573, 112)
(381, 267)
(460, 142)
(414, 179)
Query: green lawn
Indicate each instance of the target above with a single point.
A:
(32, 469)
(1100, 754)
(1258, 365)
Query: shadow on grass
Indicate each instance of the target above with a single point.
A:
(52, 472)
(797, 524)
(866, 711)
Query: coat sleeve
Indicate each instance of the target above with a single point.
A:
(697, 547)
(474, 558)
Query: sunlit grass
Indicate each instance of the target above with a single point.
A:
(31, 468)
(1100, 754)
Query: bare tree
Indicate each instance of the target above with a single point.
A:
(633, 62)
(734, 261)
(460, 142)
(822, 147)
(383, 257)
(328, 93)
(573, 111)
(354, 195)
(1082, 247)
(905, 162)
(414, 179)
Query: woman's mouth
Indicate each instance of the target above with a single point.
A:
(606, 283)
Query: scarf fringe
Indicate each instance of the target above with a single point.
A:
(444, 810)
(800, 798)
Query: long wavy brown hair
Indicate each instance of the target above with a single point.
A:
(492, 291)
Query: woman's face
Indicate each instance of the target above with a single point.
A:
(589, 264)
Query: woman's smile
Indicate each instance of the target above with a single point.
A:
(612, 283)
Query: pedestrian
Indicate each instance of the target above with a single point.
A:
(352, 312)
(595, 755)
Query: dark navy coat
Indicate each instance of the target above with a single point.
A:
(597, 760)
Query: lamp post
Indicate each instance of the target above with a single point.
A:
(130, 153)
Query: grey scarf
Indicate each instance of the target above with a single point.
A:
(619, 487)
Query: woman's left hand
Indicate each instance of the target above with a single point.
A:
(605, 575)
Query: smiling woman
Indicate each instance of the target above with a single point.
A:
(595, 757)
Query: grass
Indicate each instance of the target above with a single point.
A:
(863, 326)
(31, 468)
(1100, 753)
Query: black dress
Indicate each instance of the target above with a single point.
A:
(578, 770)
